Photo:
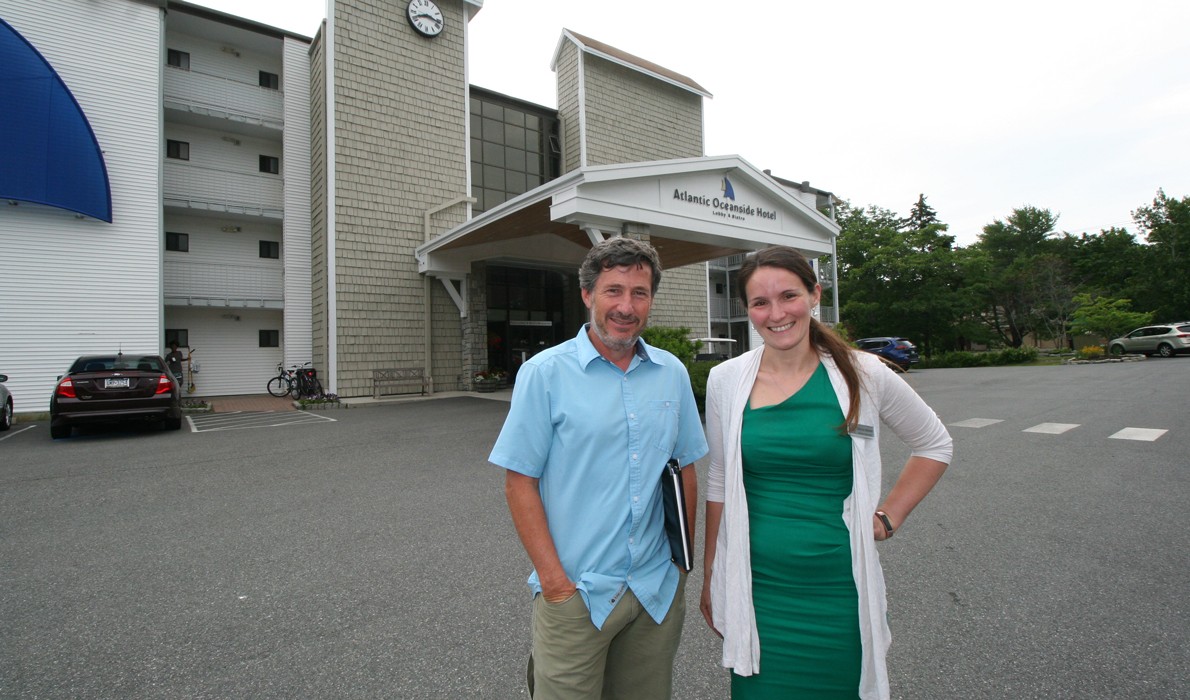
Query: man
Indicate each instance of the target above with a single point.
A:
(174, 360)
(592, 423)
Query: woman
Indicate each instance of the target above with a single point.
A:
(793, 495)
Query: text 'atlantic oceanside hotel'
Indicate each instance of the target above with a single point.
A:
(172, 173)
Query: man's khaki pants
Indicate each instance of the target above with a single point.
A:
(631, 658)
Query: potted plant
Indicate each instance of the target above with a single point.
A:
(489, 380)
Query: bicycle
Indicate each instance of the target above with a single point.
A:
(306, 384)
(299, 381)
(282, 384)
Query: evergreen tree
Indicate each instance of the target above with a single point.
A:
(921, 216)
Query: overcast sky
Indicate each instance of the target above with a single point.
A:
(1081, 107)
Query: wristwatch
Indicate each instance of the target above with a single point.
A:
(888, 528)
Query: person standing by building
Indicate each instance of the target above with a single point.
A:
(174, 359)
(792, 577)
(592, 423)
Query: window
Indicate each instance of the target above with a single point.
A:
(270, 164)
(177, 149)
(270, 339)
(269, 80)
(270, 249)
(177, 242)
(177, 59)
(510, 148)
(181, 336)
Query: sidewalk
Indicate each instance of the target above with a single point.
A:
(268, 403)
(254, 403)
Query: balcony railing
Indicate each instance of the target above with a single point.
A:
(223, 283)
(724, 309)
(728, 262)
(195, 186)
(217, 96)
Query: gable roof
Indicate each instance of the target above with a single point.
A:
(611, 53)
(694, 209)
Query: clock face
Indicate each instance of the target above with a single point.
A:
(425, 17)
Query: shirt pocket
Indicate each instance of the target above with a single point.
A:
(663, 423)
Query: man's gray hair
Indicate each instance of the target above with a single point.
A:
(618, 252)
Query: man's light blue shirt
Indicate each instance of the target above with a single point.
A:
(598, 438)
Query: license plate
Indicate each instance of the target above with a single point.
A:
(116, 383)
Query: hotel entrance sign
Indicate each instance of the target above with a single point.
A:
(719, 199)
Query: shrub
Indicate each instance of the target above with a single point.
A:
(1009, 356)
(675, 340)
(1091, 352)
(699, 371)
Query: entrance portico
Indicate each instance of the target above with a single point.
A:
(692, 210)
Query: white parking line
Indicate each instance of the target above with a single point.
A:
(1051, 428)
(976, 423)
(17, 432)
(1145, 434)
(244, 420)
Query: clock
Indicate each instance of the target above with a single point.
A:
(425, 17)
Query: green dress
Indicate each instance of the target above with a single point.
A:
(797, 473)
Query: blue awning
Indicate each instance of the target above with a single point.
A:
(48, 152)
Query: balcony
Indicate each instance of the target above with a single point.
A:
(223, 284)
(223, 98)
(727, 309)
(729, 263)
(216, 189)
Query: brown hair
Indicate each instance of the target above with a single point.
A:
(822, 338)
(618, 252)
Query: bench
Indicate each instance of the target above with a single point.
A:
(400, 375)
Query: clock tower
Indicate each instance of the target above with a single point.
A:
(390, 169)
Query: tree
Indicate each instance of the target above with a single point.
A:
(1166, 224)
(1014, 248)
(894, 281)
(1105, 317)
(921, 216)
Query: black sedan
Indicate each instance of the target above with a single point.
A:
(110, 388)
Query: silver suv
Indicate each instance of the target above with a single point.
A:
(1165, 340)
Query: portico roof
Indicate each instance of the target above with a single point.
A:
(693, 210)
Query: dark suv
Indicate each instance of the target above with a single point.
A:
(898, 351)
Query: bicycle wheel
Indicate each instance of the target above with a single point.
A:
(317, 389)
(295, 387)
(279, 386)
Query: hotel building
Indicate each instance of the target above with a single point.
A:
(174, 173)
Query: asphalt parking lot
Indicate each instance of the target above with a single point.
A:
(368, 553)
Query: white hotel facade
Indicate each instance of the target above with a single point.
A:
(347, 200)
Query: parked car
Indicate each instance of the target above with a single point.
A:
(110, 388)
(898, 351)
(5, 404)
(1166, 340)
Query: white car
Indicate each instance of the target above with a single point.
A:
(5, 404)
(1165, 340)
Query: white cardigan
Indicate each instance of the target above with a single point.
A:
(885, 397)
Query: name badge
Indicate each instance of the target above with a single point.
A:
(864, 431)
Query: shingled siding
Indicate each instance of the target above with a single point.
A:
(400, 118)
(682, 300)
(568, 107)
(632, 117)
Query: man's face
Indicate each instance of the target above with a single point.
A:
(620, 304)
